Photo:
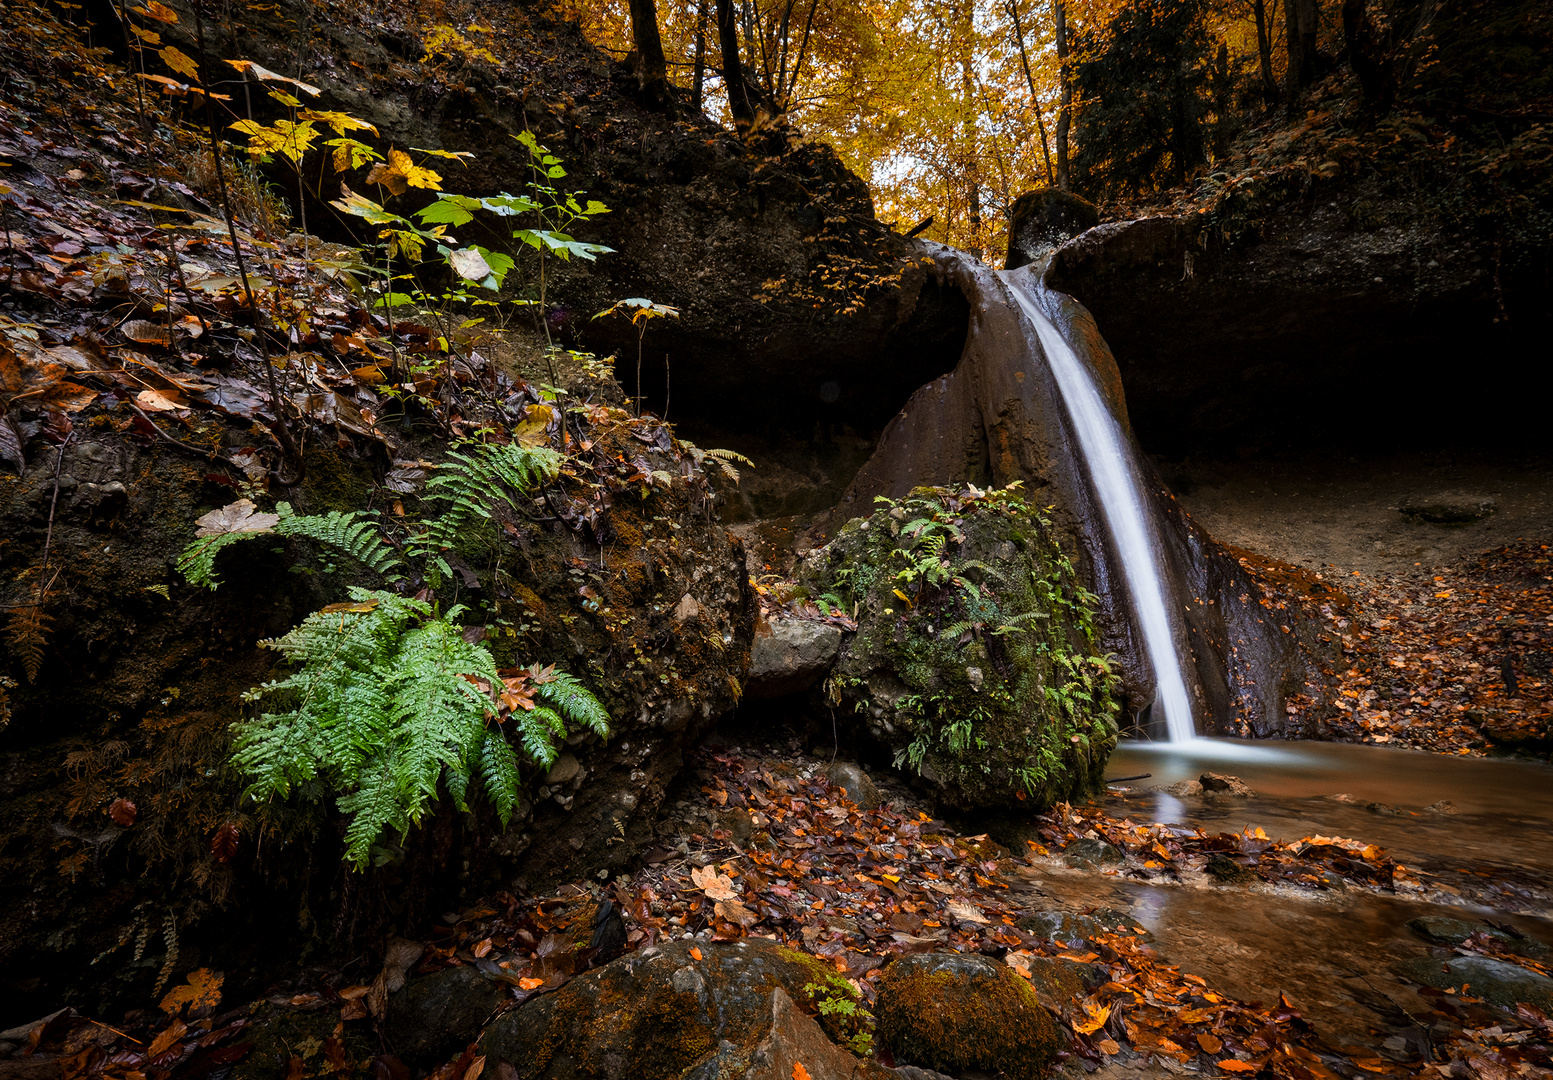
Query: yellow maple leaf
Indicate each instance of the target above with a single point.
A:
(413, 174)
(158, 11)
(180, 61)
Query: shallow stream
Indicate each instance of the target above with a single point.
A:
(1330, 952)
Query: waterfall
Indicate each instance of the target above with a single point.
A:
(1109, 459)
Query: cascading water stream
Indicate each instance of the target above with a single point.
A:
(1108, 457)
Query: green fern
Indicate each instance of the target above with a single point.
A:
(350, 534)
(384, 708)
(475, 479)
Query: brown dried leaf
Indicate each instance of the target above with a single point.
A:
(716, 886)
(122, 812)
(237, 517)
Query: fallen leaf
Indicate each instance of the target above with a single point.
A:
(1209, 1043)
(1234, 1065)
(237, 517)
(122, 812)
(695, 954)
(164, 1042)
(155, 401)
(966, 912)
(203, 989)
(716, 886)
(737, 913)
(1109, 1046)
(147, 333)
(530, 983)
(799, 1072)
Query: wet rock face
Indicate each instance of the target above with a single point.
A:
(855, 783)
(1041, 220)
(974, 662)
(998, 418)
(654, 1014)
(1226, 347)
(1445, 931)
(953, 1013)
(436, 1016)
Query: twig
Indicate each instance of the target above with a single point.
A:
(187, 447)
(48, 539)
(1124, 779)
(282, 426)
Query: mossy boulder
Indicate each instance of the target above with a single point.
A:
(653, 1014)
(955, 1013)
(974, 660)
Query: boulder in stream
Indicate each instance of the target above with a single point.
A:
(1446, 931)
(1495, 981)
(1222, 784)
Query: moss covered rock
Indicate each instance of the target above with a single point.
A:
(954, 1013)
(653, 1014)
(975, 659)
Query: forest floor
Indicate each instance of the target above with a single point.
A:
(1448, 624)
(758, 843)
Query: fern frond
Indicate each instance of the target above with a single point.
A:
(27, 632)
(476, 478)
(197, 563)
(575, 703)
(350, 534)
(538, 729)
(499, 774)
(1019, 621)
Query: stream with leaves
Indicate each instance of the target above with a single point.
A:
(1473, 837)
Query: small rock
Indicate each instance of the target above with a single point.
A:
(790, 655)
(1385, 809)
(1226, 871)
(437, 1015)
(955, 1013)
(1222, 784)
(566, 769)
(1074, 929)
(1090, 853)
(1182, 789)
(1448, 507)
(1495, 981)
(1445, 931)
(1444, 806)
(1341, 798)
(854, 781)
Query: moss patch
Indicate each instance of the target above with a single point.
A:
(957, 1013)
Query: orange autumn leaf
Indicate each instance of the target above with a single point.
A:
(695, 954)
(1209, 1043)
(799, 1072)
(530, 983)
(1233, 1065)
(202, 990)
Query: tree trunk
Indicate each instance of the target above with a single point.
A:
(1310, 23)
(1367, 57)
(651, 69)
(698, 83)
(1293, 45)
(1065, 102)
(1035, 101)
(739, 103)
(1264, 51)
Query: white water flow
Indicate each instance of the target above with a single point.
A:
(1107, 455)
